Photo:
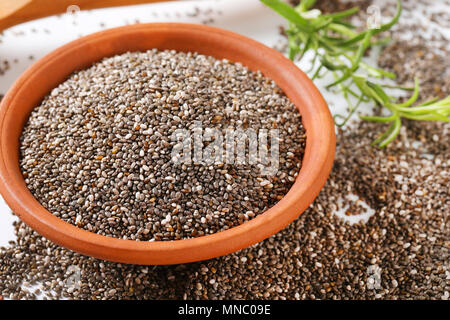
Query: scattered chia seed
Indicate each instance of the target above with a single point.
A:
(421, 62)
(327, 6)
(4, 66)
(97, 151)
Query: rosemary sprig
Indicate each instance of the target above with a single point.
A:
(340, 50)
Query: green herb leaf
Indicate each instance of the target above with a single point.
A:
(289, 13)
(306, 4)
(341, 51)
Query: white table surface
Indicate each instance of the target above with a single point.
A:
(248, 17)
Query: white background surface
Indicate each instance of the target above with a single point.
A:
(248, 17)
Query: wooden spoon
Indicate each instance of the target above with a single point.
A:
(14, 12)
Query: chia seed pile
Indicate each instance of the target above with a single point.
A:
(401, 252)
(319, 256)
(97, 151)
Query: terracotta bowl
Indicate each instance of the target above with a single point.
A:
(28, 91)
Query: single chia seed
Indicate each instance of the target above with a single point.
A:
(97, 151)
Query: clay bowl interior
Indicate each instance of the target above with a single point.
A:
(29, 90)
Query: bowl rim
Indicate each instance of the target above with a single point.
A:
(316, 166)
